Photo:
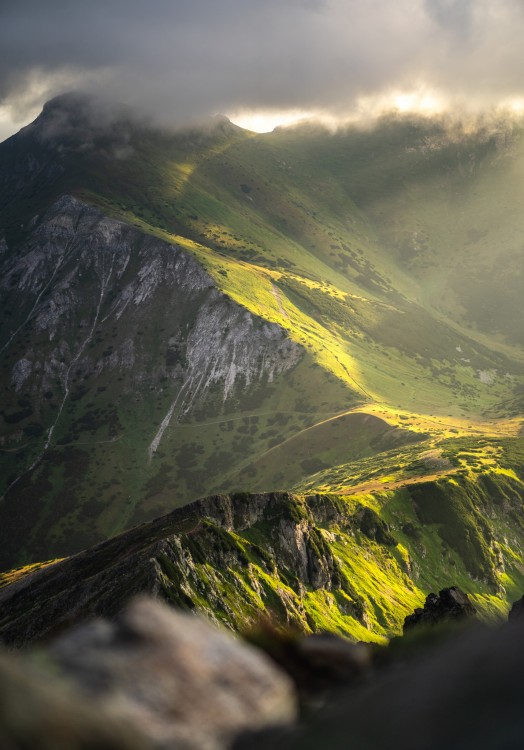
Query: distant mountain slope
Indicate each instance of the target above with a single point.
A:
(310, 229)
(112, 340)
(214, 310)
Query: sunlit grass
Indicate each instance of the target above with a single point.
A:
(17, 574)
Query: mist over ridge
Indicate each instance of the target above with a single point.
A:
(87, 115)
(177, 62)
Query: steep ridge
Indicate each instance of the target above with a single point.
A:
(231, 557)
(354, 565)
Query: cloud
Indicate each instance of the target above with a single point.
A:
(180, 59)
(453, 15)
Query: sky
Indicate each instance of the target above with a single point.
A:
(262, 62)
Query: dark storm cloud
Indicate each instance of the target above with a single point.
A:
(187, 58)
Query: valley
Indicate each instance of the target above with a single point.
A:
(212, 312)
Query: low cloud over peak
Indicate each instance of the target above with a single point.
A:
(181, 59)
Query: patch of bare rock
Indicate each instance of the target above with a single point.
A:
(152, 678)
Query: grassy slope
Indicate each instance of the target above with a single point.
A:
(454, 504)
(301, 252)
(380, 293)
(376, 250)
(306, 229)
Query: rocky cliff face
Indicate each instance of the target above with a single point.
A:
(231, 557)
(314, 562)
(109, 339)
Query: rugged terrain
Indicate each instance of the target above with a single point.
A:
(319, 562)
(214, 311)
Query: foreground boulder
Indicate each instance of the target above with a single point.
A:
(448, 604)
(156, 679)
(42, 713)
(318, 664)
(173, 677)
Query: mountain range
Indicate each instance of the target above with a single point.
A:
(334, 318)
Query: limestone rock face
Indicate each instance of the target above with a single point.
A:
(76, 254)
(178, 680)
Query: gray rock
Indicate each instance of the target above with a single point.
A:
(173, 677)
(42, 713)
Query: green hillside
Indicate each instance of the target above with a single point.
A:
(391, 256)
(355, 565)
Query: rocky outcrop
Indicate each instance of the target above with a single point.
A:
(517, 610)
(449, 604)
(229, 557)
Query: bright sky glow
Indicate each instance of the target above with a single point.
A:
(265, 121)
(422, 102)
(514, 105)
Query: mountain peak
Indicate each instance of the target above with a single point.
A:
(80, 116)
